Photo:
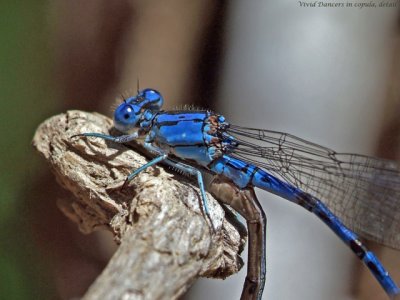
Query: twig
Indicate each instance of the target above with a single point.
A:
(166, 242)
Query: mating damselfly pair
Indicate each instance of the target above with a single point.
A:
(348, 192)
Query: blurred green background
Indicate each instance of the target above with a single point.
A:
(27, 97)
(68, 55)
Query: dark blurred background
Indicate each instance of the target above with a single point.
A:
(329, 75)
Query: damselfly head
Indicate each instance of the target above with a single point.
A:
(128, 114)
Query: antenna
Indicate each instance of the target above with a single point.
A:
(137, 85)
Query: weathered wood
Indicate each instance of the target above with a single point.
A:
(166, 242)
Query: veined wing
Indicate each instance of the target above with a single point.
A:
(363, 191)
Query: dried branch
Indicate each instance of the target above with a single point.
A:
(166, 242)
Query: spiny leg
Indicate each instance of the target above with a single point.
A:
(182, 167)
(161, 156)
(142, 168)
(194, 172)
(116, 139)
(245, 202)
(185, 169)
(124, 139)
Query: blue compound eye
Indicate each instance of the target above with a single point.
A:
(127, 113)
(150, 94)
(124, 113)
(125, 117)
(152, 97)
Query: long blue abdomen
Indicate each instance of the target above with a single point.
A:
(244, 174)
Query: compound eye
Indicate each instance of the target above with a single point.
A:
(126, 117)
(152, 97)
(127, 114)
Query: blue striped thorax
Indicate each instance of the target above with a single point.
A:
(198, 136)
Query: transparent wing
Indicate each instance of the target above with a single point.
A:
(363, 191)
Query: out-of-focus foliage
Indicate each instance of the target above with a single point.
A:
(26, 98)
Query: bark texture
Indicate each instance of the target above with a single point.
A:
(165, 240)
